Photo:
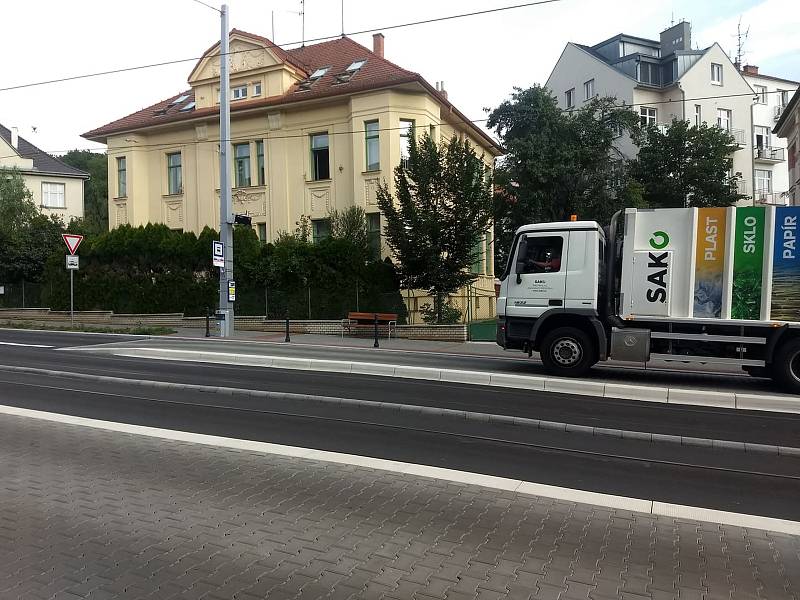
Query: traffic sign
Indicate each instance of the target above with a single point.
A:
(218, 254)
(231, 290)
(72, 262)
(72, 240)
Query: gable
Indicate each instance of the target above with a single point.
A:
(9, 157)
(245, 56)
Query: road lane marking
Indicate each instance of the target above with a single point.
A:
(25, 345)
(488, 481)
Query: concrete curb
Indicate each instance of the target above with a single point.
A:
(735, 400)
(461, 415)
(653, 507)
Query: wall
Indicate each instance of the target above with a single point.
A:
(73, 195)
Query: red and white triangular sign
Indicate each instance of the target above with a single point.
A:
(72, 241)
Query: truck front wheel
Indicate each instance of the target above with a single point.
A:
(568, 352)
(786, 365)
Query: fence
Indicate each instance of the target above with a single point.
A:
(472, 303)
(21, 295)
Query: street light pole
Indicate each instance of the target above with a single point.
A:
(225, 209)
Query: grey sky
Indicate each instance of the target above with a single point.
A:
(480, 59)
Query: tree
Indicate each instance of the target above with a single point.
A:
(686, 165)
(558, 163)
(443, 207)
(95, 191)
(17, 209)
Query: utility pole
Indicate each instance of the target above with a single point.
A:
(225, 209)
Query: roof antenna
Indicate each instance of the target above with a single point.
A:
(303, 17)
(342, 18)
(273, 26)
(741, 38)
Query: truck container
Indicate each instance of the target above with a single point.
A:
(705, 285)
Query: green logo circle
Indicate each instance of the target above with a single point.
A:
(659, 240)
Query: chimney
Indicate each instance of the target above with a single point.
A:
(750, 70)
(442, 91)
(15, 138)
(377, 44)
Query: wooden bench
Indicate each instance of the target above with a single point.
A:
(363, 320)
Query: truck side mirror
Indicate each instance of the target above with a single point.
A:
(522, 253)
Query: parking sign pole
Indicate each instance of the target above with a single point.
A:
(72, 298)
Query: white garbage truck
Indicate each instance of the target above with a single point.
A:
(715, 286)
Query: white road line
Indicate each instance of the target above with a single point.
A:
(488, 481)
(26, 345)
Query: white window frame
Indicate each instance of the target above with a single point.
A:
(698, 115)
(256, 89)
(766, 134)
(239, 92)
(759, 173)
(588, 89)
(569, 98)
(761, 94)
(716, 70)
(54, 189)
(725, 116)
(406, 127)
(650, 116)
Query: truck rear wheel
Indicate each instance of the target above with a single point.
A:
(786, 365)
(568, 352)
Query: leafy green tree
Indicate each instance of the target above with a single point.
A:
(558, 163)
(351, 224)
(95, 190)
(686, 165)
(442, 208)
(17, 208)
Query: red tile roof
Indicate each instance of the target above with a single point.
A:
(337, 54)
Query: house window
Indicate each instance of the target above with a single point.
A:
(372, 145)
(122, 177)
(174, 174)
(477, 257)
(53, 195)
(239, 92)
(262, 175)
(716, 74)
(792, 160)
(762, 137)
(724, 119)
(406, 138)
(648, 116)
(783, 97)
(374, 234)
(256, 88)
(569, 98)
(241, 157)
(761, 94)
(763, 181)
(320, 230)
(698, 115)
(320, 157)
(588, 89)
(262, 232)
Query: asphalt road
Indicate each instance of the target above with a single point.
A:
(724, 480)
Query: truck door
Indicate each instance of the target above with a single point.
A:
(539, 279)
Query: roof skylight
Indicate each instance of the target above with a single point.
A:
(355, 65)
(319, 73)
(188, 107)
(179, 99)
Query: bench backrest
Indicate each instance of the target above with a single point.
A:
(365, 316)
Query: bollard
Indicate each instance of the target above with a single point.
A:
(287, 328)
(376, 345)
(208, 324)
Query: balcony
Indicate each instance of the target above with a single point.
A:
(767, 154)
(771, 198)
(741, 187)
(738, 136)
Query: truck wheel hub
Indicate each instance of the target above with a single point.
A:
(567, 352)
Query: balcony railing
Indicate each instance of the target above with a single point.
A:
(738, 136)
(771, 198)
(779, 111)
(769, 154)
(741, 187)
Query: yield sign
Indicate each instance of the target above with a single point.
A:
(72, 241)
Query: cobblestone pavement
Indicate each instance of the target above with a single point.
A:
(98, 514)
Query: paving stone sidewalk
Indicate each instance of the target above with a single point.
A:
(86, 513)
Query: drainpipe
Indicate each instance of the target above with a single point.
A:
(752, 154)
(683, 102)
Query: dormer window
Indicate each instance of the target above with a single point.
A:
(256, 88)
(306, 84)
(239, 92)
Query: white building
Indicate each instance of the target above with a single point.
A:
(788, 127)
(662, 80)
(56, 187)
(770, 171)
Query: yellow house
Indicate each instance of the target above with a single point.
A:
(56, 187)
(313, 128)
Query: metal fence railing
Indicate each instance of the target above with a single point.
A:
(22, 294)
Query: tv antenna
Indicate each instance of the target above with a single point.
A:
(741, 38)
(303, 19)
